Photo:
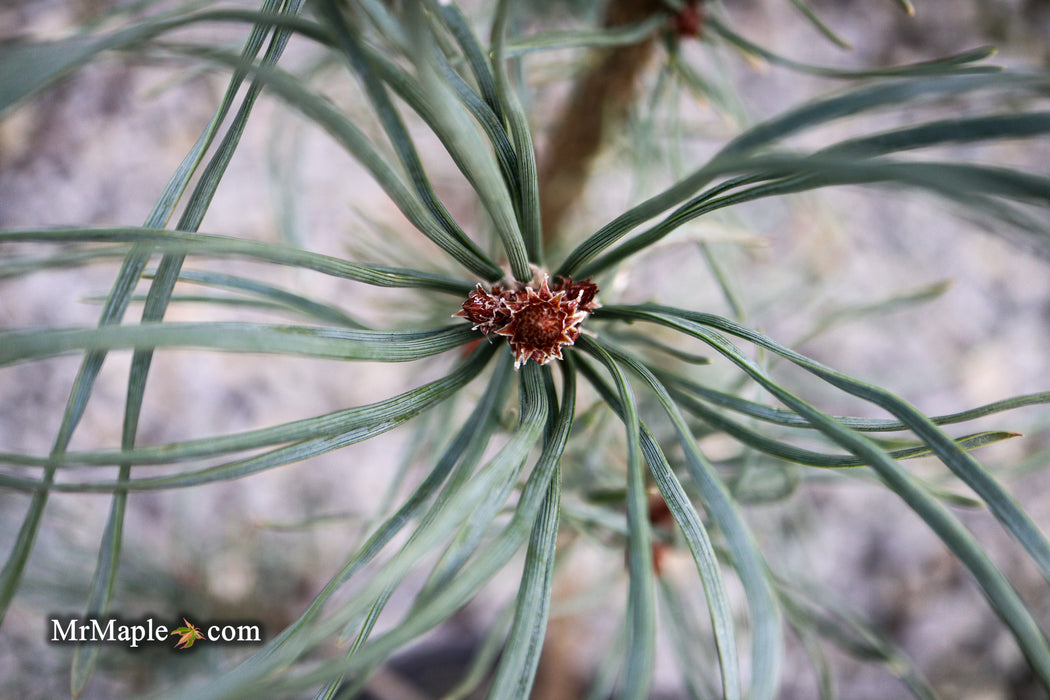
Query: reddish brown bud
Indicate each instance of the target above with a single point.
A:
(538, 319)
(689, 21)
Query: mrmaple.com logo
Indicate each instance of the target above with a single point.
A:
(134, 633)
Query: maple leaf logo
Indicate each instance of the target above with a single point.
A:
(187, 635)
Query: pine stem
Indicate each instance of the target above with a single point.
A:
(598, 104)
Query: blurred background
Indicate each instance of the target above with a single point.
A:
(968, 323)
